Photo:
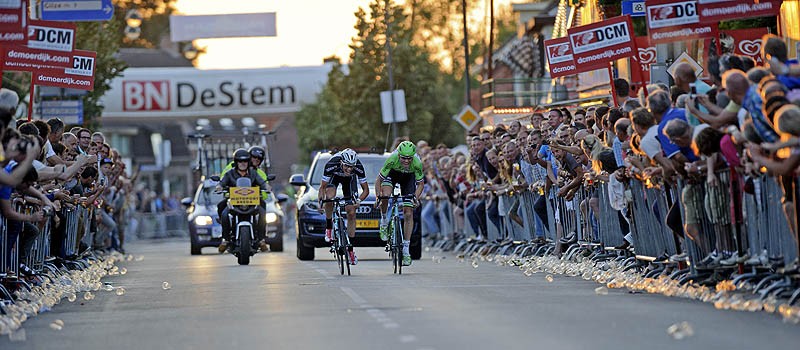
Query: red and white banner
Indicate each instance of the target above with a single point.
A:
(80, 74)
(715, 12)
(59, 78)
(670, 21)
(13, 24)
(744, 42)
(645, 57)
(595, 45)
(559, 57)
(23, 58)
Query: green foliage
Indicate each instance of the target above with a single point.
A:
(104, 38)
(347, 112)
(155, 22)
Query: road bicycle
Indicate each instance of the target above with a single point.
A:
(340, 244)
(394, 246)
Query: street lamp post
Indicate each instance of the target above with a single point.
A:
(389, 67)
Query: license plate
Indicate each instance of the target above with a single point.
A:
(216, 231)
(366, 223)
(244, 195)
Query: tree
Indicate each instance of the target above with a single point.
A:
(347, 112)
(104, 38)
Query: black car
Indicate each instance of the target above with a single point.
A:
(205, 229)
(310, 224)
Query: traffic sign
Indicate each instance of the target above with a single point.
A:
(633, 8)
(69, 111)
(400, 114)
(468, 117)
(77, 10)
(685, 58)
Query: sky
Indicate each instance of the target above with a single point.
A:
(307, 31)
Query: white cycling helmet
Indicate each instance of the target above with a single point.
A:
(349, 157)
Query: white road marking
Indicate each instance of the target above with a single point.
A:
(352, 294)
(407, 338)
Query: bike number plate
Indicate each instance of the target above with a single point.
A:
(244, 195)
(367, 224)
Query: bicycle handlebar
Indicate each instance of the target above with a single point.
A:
(396, 196)
(337, 199)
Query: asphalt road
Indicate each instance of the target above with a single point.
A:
(279, 302)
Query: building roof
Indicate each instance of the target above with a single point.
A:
(141, 57)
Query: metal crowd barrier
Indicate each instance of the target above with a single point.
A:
(8, 256)
(610, 232)
(766, 227)
(526, 201)
(159, 225)
(648, 220)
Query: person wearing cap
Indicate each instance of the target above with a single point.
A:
(243, 169)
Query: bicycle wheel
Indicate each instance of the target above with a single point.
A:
(398, 248)
(392, 244)
(347, 261)
(339, 247)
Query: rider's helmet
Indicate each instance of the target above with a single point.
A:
(406, 149)
(241, 154)
(349, 157)
(257, 152)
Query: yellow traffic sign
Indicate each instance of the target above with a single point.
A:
(468, 117)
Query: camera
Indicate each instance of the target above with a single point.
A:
(102, 181)
(692, 90)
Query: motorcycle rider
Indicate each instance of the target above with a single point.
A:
(242, 169)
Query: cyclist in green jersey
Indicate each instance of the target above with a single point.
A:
(403, 167)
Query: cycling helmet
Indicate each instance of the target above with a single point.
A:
(257, 152)
(406, 149)
(241, 154)
(349, 157)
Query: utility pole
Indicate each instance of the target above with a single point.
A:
(491, 38)
(466, 51)
(389, 67)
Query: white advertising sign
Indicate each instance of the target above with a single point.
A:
(187, 28)
(47, 35)
(191, 92)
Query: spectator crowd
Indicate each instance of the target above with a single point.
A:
(702, 144)
(49, 170)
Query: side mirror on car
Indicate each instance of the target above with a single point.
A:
(270, 177)
(215, 178)
(282, 198)
(186, 202)
(297, 180)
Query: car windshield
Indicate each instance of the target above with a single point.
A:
(372, 165)
(208, 196)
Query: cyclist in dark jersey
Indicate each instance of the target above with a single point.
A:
(403, 167)
(344, 169)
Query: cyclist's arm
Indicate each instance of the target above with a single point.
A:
(322, 193)
(364, 191)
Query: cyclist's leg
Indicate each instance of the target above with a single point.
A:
(330, 192)
(407, 187)
(349, 190)
(387, 187)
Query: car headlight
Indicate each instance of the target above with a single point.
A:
(203, 220)
(312, 206)
(272, 218)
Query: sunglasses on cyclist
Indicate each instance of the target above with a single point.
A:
(406, 158)
(242, 161)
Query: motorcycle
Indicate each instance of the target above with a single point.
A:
(243, 202)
